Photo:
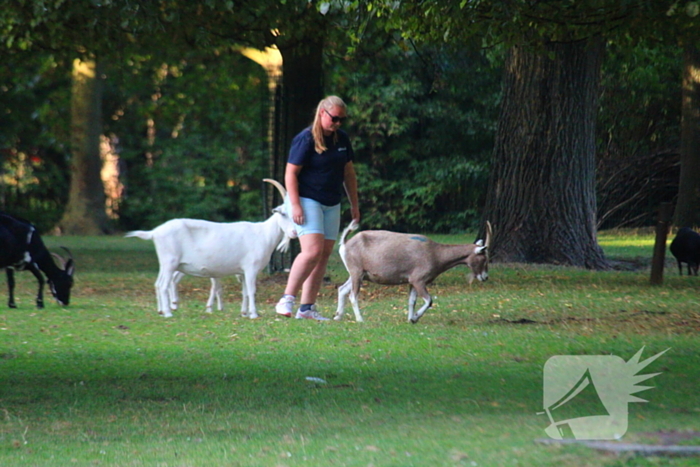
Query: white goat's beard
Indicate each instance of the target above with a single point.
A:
(284, 244)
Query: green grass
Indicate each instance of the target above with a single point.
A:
(106, 381)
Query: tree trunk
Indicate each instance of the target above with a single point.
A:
(687, 212)
(541, 199)
(302, 90)
(85, 213)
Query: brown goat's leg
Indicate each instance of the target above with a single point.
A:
(412, 296)
(419, 289)
(355, 296)
(343, 292)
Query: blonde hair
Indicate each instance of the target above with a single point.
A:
(316, 129)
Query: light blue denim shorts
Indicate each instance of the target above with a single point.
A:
(318, 219)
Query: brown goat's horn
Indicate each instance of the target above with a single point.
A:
(277, 185)
(489, 233)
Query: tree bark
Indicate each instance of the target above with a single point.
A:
(541, 198)
(302, 90)
(687, 213)
(85, 213)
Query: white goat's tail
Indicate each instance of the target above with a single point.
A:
(341, 250)
(142, 234)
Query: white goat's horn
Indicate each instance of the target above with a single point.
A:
(277, 185)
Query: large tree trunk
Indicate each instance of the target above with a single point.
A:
(687, 212)
(302, 90)
(541, 198)
(85, 213)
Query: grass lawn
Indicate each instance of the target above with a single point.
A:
(108, 382)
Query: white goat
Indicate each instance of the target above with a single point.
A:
(214, 250)
(394, 258)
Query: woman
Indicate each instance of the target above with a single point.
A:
(319, 166)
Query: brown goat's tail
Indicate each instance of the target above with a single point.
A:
(341, 249)
(353, 226)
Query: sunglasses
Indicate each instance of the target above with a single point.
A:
(335, 118)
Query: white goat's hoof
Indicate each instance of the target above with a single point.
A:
(208, 310)
(337, 318)
(253, 316)
(165, 314)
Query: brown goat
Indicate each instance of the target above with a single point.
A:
(392, 258)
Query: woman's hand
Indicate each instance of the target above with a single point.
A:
(355, 212)
(297, 214)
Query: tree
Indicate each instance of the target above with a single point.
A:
(85, 213)
(541, 34)
(681, 23)
(687, 212)
(69, 29)
(297, 27)
(542, 191)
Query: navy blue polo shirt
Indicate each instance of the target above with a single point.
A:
(322, 175)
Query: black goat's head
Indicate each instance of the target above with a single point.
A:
(61, 284)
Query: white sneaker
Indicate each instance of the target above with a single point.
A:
(285, 306)
(311, 314)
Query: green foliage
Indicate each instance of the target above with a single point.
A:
(205, 147)
(185, 181)
(33, 127)
(422, 120)
(638, 132)
(190, 125)
(34, 186)
(640, 98)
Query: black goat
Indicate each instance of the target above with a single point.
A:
(21, 248)
(686, 248)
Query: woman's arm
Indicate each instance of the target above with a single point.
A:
(350, 182)
(291, 182)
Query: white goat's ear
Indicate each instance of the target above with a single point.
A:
(480, 250)
(479, 243)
